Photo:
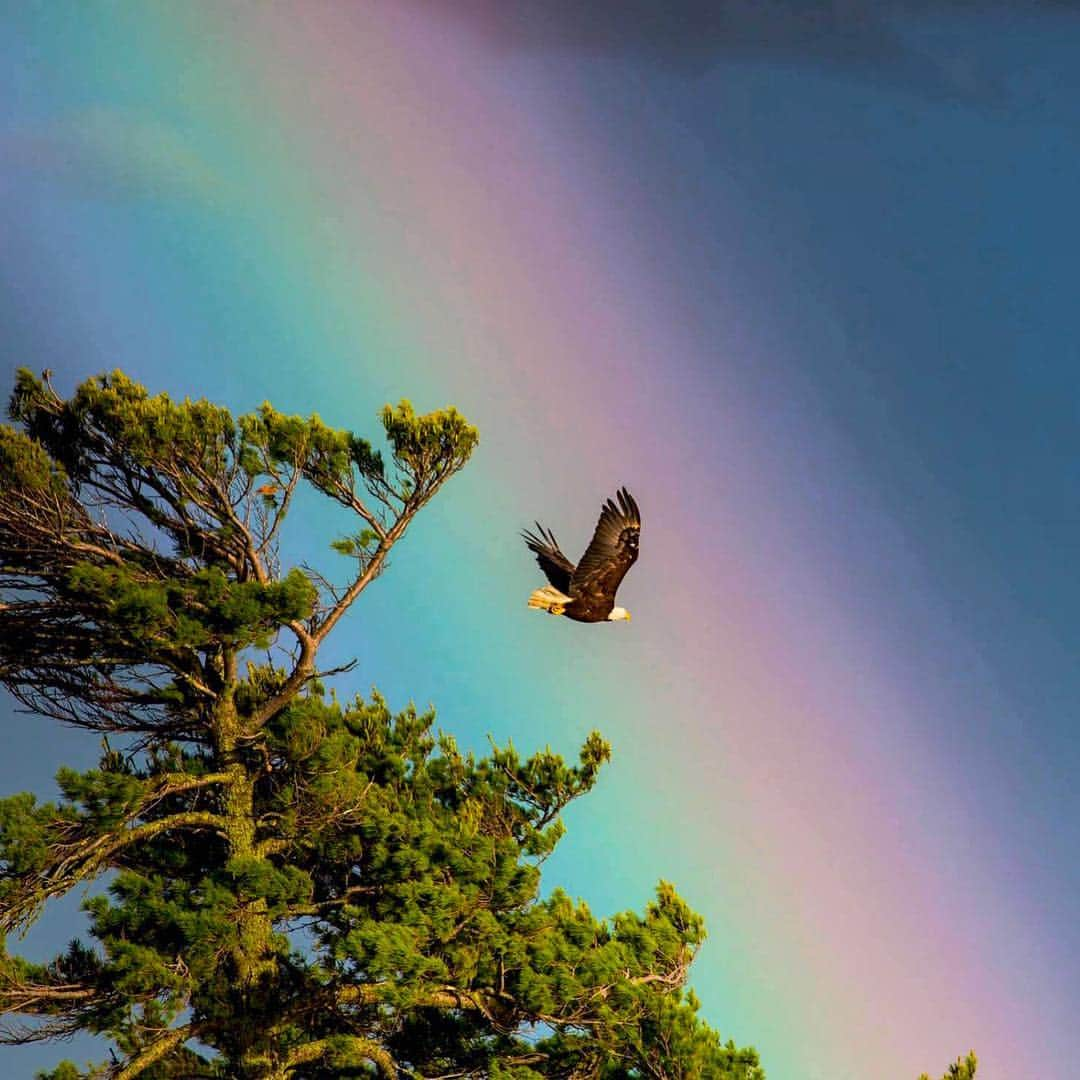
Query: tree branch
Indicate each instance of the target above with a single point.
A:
(361, 1049)
(301, 673)
(38, 998)
(88, 856)
(371, 571)
(154, 1052)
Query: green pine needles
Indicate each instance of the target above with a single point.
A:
(962, 1069)
(300, 887)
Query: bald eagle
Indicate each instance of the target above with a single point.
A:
(586, 592)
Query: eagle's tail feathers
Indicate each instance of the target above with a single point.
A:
(549, 599)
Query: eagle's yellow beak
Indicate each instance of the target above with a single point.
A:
(628, 616)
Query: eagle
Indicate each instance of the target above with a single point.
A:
(586, 592)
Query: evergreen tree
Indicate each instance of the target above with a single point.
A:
(301, 887)
(964, 1069)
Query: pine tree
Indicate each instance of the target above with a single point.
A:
(964, 1069)
(300, 887)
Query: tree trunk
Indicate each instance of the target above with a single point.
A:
(252, 954)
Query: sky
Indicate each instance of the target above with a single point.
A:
(801, 276)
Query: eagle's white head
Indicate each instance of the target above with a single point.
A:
(619, 613)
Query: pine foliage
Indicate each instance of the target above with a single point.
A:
(963, 1069)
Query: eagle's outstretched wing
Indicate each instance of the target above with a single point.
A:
(556, 566)
(613, 548)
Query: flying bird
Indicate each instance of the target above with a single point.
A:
(586, 592)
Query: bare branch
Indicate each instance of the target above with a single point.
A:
(42, 997)
(371, 571)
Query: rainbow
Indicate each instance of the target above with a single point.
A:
(333, 205)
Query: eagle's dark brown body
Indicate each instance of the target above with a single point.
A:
(586, 592)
